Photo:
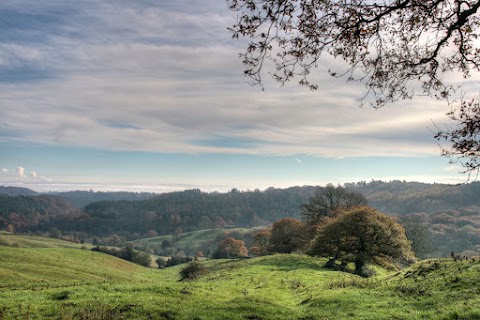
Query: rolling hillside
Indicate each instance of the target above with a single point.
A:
(68, 283)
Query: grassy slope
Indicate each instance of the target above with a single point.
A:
(11, 240)
(63, 283)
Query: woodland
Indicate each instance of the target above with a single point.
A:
(438, 218)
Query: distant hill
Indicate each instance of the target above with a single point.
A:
(15, 191)
(36, 213)
(80, 199)
(401, 197)
(192, 210)
(452, 213)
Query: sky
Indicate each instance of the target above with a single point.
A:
(150, 96)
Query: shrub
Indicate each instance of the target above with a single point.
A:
(193, 271)
(162, 262)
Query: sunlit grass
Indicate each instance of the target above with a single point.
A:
(66, 283)
(13, 240)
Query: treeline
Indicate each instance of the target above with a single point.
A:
(449, 214)
(80, 199)
(35, 213)
(401, 197)
(178, 212)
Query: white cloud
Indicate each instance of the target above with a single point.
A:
(128, 76)
(20, 171)
(19, 175)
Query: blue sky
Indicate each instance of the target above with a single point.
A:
(150, 96)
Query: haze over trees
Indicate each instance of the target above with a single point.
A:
(396, 48)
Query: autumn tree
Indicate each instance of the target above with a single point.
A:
(397, 48)
(287, 236)
(328, 200)
(230, 248)
(261, 243)
(362, 235)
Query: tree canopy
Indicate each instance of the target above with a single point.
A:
(231, 248)
(389, 42)
(287, 236)
(397, 48)
(327, 200)
(362, 235)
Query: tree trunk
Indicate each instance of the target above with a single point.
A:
(330, 263)
(359, 264)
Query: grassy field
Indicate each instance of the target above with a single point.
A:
(10, 240)
(70, 283)
(192, 242)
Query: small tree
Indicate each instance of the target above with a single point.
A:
(167, 247)
(231, 248)
(10, 228)
(161, 262)
(152, 233)
(142, 258)
(327, 201)
(287, 236)
(362, 235)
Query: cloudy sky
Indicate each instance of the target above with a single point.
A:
(150, 96)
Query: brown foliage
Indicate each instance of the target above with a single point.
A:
(231, 248)
(287, 236)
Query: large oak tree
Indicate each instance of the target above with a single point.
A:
(362, 235)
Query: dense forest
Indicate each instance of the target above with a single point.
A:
(448, 216)
(80, 199)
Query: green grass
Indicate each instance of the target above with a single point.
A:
(13, 240)
(68, 283)
(196, 240)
